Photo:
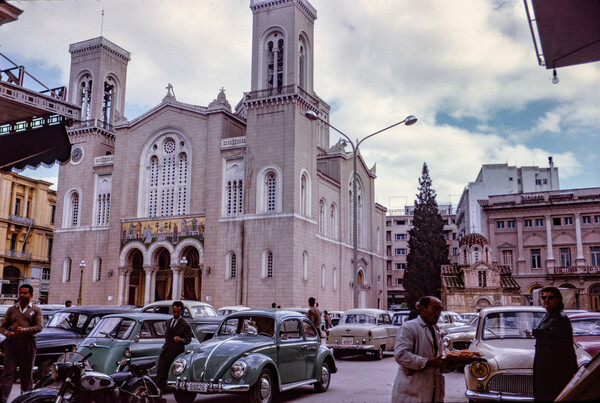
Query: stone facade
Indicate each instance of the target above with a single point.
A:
(548, 238)
(27, 212)
(245, 206)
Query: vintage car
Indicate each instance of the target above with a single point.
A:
(584, 386)
(460, 337)
(504, 339)
(399, 317)
(226, 310)
(449, 319)
(205, 327)
(67, 328)
(334, 316)
(260, 351)
(586, 331)
(191, 309)
(118, 337)
(362, 331)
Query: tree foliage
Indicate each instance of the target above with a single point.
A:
(428, 249)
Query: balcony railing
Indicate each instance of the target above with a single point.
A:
(577, 270)
(17, 254)
(21, 220)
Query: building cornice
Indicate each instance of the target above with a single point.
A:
(100, 43)
(264, 5)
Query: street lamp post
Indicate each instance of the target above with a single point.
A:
(408, 121)
(81, 267)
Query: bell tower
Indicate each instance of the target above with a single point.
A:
(98, 78)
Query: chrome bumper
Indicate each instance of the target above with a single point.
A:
(351, 346)
(206, 387)
(495, 397)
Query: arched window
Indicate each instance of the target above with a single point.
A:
(107, 102)
(74, 210)
(359, 226)
(304, 191)
(305, 265)
(267, 266)
(301, 64)
(234, 187)
(334, 279)
(323, 276)
(103, 190)
(271, 185)
(11, 281)
(167, 177)
(97, 269)
(274, 48)
(322, 217)
(85, 97)
(333, 221)
(67, 270)
(231, 271)
(268, 192)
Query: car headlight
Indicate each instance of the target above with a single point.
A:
(238, 369)
(178, 366)
(446, 341)
(127, 352)
(480, 370)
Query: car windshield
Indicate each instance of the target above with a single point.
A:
(202, 310)
(358, 318)
(586, 327)
(68, 320)
(510, 325)
(248, 325)
(113, 328)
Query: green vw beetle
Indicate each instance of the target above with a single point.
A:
(259, 351)
(118, 337)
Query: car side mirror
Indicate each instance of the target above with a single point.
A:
(136, 339)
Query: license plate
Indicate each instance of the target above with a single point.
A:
(347, 340)
(197, 387)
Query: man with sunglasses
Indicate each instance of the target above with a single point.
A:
(555, 362)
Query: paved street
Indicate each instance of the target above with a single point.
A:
(359, 379)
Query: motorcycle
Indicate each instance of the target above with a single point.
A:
(80, 384)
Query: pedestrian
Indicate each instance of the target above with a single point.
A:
(177, 335)
(68, 303)
(313, 313)
(555, 362)
(327, 319)
(418, 350)
(21, 324)
(273, 305)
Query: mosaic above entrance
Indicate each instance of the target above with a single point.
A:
(171, 230)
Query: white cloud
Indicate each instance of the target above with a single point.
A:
(375, 62)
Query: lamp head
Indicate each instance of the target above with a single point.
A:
(311, 115)
(410, 120)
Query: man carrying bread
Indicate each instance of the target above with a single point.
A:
(418, 350)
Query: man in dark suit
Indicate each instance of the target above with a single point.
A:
(177, 335)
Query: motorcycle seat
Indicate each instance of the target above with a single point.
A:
(142, 365)
(120, 377)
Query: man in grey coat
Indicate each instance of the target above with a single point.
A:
(418, 350)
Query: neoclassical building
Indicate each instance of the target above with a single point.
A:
(244, 205)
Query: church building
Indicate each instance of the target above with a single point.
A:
(247, 205)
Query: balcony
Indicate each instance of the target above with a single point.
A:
(15, 254)
(28, 222)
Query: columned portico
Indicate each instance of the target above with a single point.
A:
(177, 281)
(150, 271)
(124, 273)
(549, 247)
(579, 259)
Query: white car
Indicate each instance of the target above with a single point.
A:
(226, 310)
(504, 339)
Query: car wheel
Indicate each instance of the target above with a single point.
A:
(264, 389)
(182, 396)
(324, 378)
(379, 353)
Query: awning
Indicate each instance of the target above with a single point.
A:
(569, 31)
(31, 145)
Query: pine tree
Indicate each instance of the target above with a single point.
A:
(428, 249)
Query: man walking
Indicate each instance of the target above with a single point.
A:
(177, 336)
(20, 325)
(418, 350)
(314, 314)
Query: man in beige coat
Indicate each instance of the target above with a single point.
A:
(418, 350)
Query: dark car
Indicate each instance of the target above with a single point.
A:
(66, 330)
(586, 331)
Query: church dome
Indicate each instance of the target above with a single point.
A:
(474, 239)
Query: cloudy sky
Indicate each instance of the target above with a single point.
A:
(466, 68)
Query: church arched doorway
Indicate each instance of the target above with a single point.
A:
(137, 278)
(164, 275)
(192, 274)
(595, 298)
